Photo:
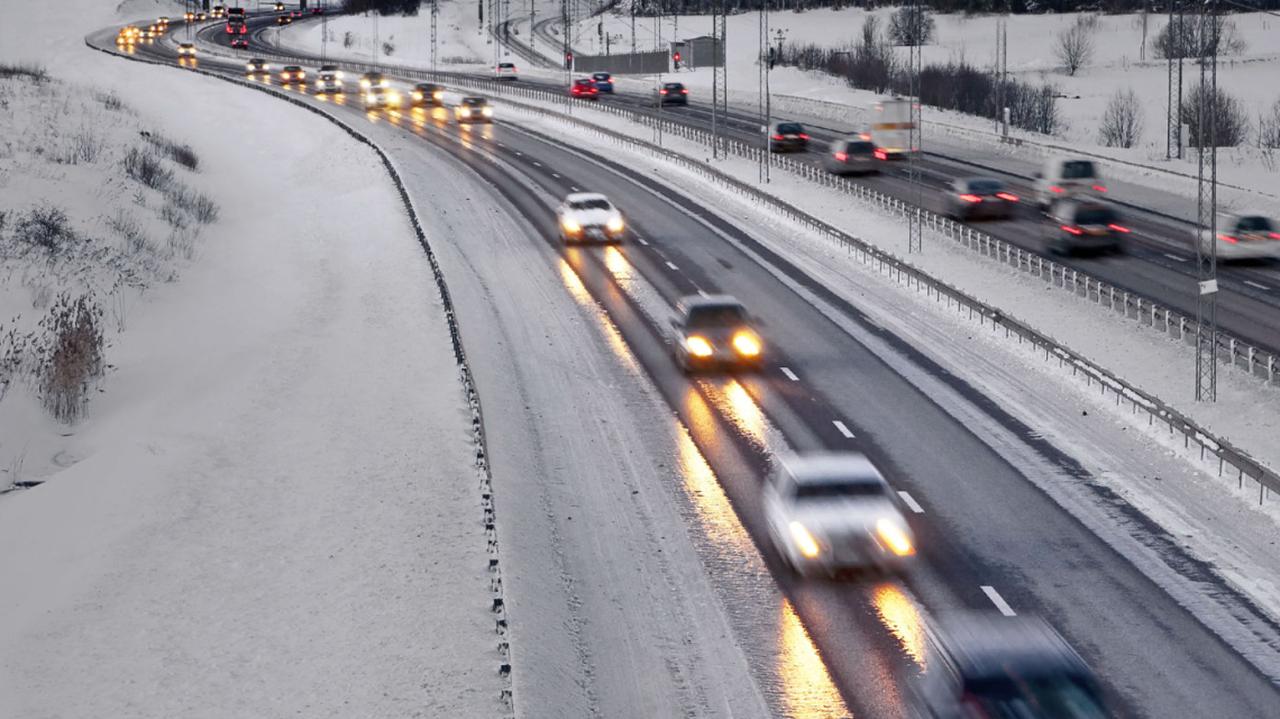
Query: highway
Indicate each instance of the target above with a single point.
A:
(839, 381)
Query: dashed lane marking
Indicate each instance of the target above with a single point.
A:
(999, 601)
(790, 375)
(911, 502)
(843, 429)
(672, 265)
(1251, 283)
(1175, 257)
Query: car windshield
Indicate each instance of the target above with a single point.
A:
(1077, 170)
(985, 187)
(1095, 216)
(601, 76)
(328, 68)
(507, 65)
(1057, 697)
(598, 203)
(839, 489)
(1254, 223)
(582, 81)
(474, 101)
(716, 316)
(673, 86)
(862, 147)
(791, 128)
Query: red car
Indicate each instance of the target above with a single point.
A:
(241, 41)
(584, 88)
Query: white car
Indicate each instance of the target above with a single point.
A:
(505, 71)
(329, 81)
(589, 216)
(1244, 236)
(1062, 178)
(379, 98)
(832, 511)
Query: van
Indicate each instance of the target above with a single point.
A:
(1062, 177)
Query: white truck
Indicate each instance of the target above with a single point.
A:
(890, 127)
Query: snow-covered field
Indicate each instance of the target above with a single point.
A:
(271, 508)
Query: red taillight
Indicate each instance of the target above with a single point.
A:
(804, 136)
(842, 156)
(970, 198)
(684, 92)
(882, 155)
(1073, 230)
(1228, 238)
(1274, 235)
(1120, 228)
(1099, 188)
(777, 137)
(1007, 196)
(662, 92)
(1055, 188)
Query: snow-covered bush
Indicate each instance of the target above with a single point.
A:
(179, 153)
(1226, 124)
(911, 25)
(45, 227)
(72, 360)
(25, 71)
(1075, 44)
(1122, 120)
(1269, 129)
(144, 165)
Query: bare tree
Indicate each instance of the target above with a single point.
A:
(1269, 129)
(1122, 120)
(1075, 46)
(911, 25)
(1230, 124)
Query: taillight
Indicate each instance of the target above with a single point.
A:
(841, 156)
(970, 198)
(777, 137)
(882, 155)
(1073, 230)
(1119, 228)
(684, 92)
(1228, 238)
(1055, 188)
(1099, 188)
(662, 92)
(1007, 196)
(804, 136)
(1274, 235)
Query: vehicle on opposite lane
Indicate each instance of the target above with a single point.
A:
(381, 98)
(473, 109)
(240, 42)
(673, 93)
(1084, 224)
(427, 94)
(186, 51)
(988, 665)
(587, 216)
(788, 137)
(1243, 236)
(284, 20)
(829, 512)
(973, 198)
(603, 82)
(584, 88)
(506, 71)
(329, 80)
(1064, 177)
(714, 332)
(373, 79)
(292, 74)
(257, 68)
(853, 156)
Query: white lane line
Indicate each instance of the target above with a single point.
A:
(672, 265)
(790, 375)
(1251, 283)
(999, 601)
(703, 293)
(843, 429)
(556, 175)
(642, 241)
(537, 164)
(521, 154)
(911, 502)
(1175, 257)
(574, 188)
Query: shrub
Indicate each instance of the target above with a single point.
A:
(22, 70)
(911, 25)
(145, 167)
(73, 358)
(1184, 37)
(46, 227)
(84, 147)
(1075, 45)
(1268, 130)
(1225, 122)
(1122, 120)
(197, 205)
(388, 49)
(181, 154)
(111, 101)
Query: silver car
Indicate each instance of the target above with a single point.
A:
(854, 155)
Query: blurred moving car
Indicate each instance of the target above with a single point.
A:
(427, 94)
(128, 35)
(1243, 236)
(584, 88)
(240, 41)
(1085, 224)
(505, 71)
(257, 67)
(186, 50)
(972, 198)
(603, 81)
(291, 74)
(163, 21)
(1062, 178)
(373, 79)
(853, 155)
(989, 665)
(788, 137)
(673, 93)
(589, 216)
(473, 109)
(381, 98)
(329, 80)
(284, 20)
(279, 6)
(832, 511)
(714, 332)
(217, 11)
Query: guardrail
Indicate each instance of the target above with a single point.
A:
(1079, 283)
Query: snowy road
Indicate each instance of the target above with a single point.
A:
(565, 419)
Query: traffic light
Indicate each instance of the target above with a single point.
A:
(568, 61)
(675, 57)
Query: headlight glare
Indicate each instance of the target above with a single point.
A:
(747, 344)
(805, 541)
(698, 346)
(614, 225)
(894, 537)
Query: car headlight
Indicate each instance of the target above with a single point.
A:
(437, 95)
(466, 112)
(614, 225)
(747, 344)
(488, 112)
(894, 537)
(417, 95)
(698, 346)
(370, 98)
(805, 541)
(570, 225)
(340, 75)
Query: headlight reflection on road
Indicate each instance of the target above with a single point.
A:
(903, 619)
(620, 268)
(808, 692)
(584, 299)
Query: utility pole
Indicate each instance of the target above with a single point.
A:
(633, 27)
(435, 20)
(533, 20)
(1176, 43)
(766, 55)
(719, 87)
(915, 222)
(1207, 110)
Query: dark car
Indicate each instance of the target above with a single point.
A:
(426, 94)
(584, 89)
(373, 79)
(603, 81)
(995, 666)
(673, 93)
(974, 198)
(284, 20)
(473, 109)
(292, 74)
(257, 67)
(240, 41)
(1084, 224)
(714, 332)
(788, 137)
(851, 156)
